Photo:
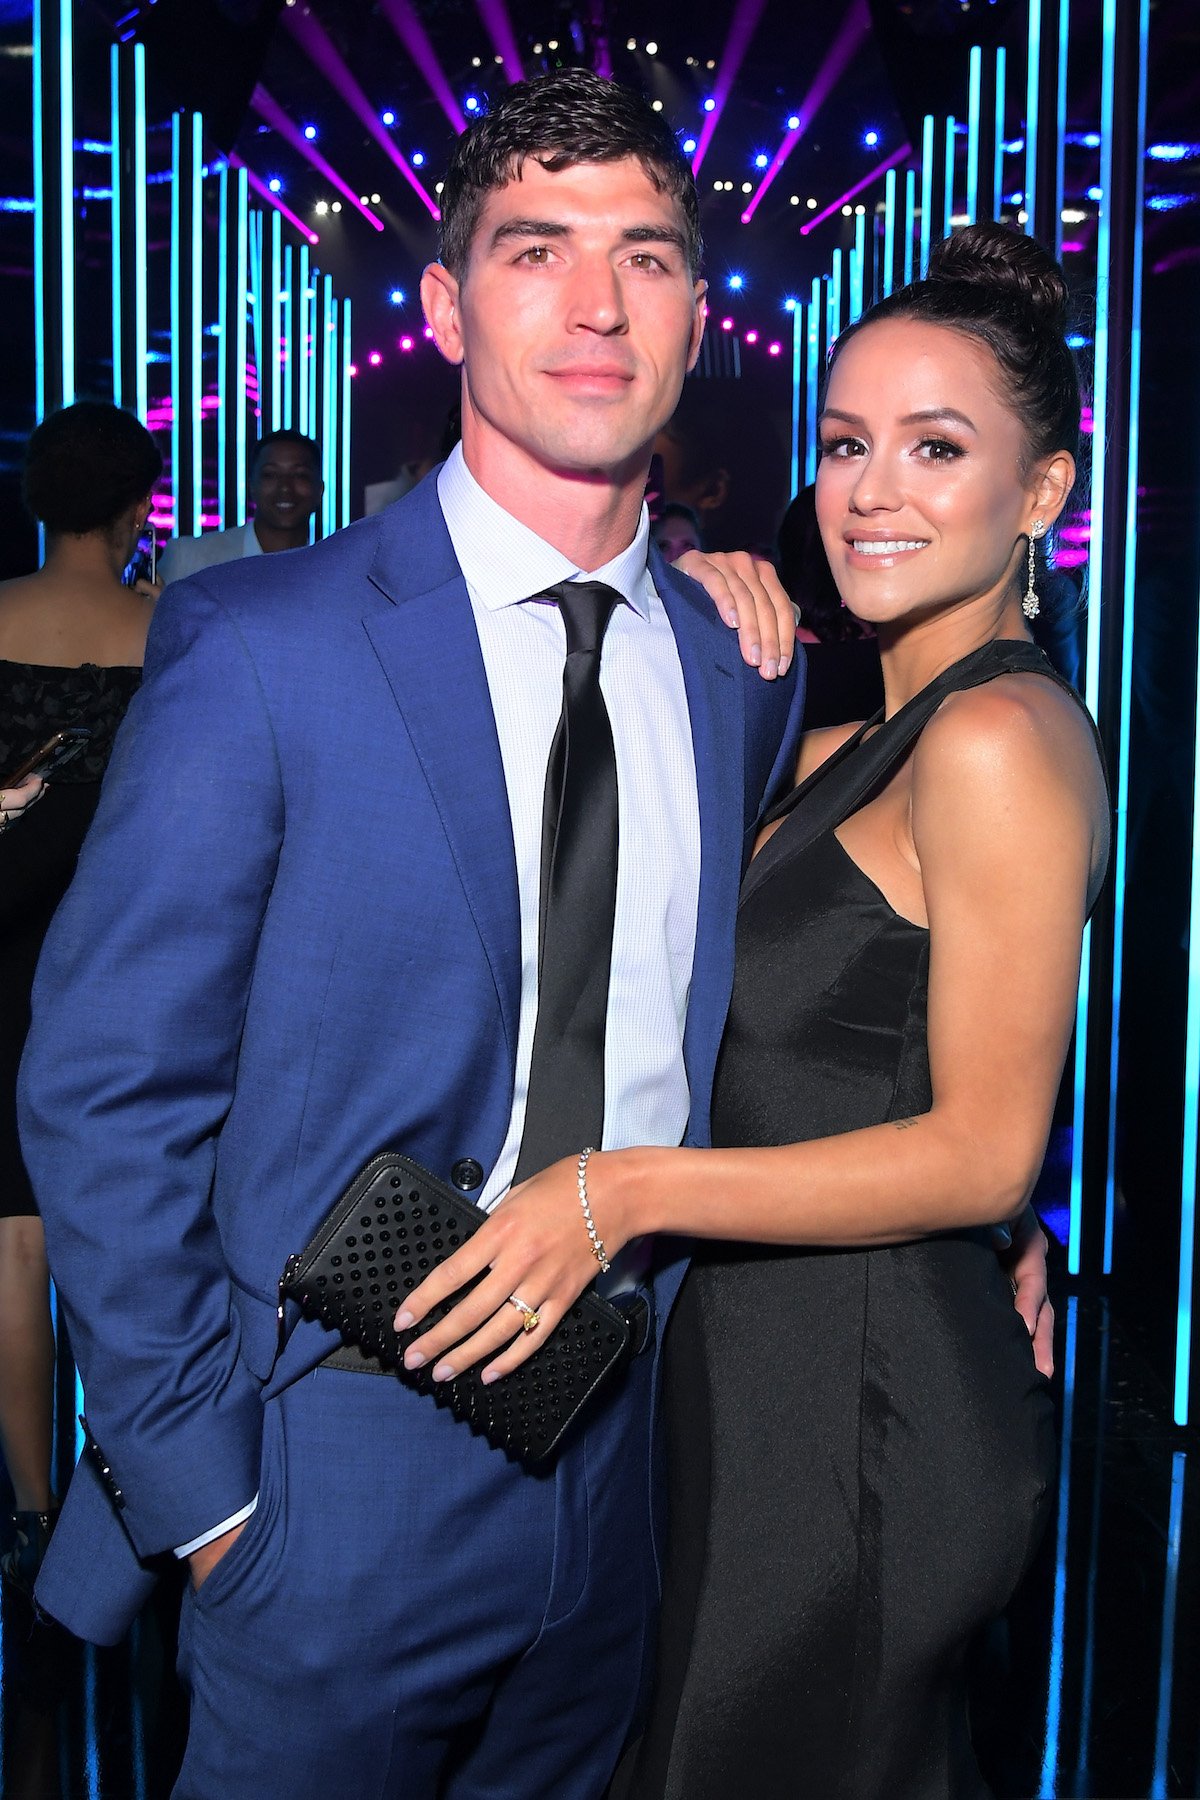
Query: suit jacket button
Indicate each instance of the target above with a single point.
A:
(466, 1174)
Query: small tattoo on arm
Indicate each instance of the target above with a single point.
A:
(903, 1124)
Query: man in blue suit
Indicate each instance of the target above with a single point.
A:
(305, 928)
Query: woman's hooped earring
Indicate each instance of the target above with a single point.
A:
(1031, 606)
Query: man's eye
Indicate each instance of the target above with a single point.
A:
(642, 259)
(538, 254)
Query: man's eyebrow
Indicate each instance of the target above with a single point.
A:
(556, 228)
(928, 416)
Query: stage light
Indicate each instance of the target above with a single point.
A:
(406, 343)
(652, 49)
(710, 104)
(761, 160)
(363, 201)
(793, 123)
(428, 332)
(631, 43)
(1173, 152)
(847, 211)
(336, 206)
(471, 103)
(321, 208)
(689, 146)
(1091, 139)
(310, 132)
(438, 186)
(397, 296)
(1095, 193)
(811, 204)
(375, 359)
(1015, 199)
(718, 185)
(1071, 215)
(418, 159)
(795, 200)
(747, 187)
(1167, 202)
(352, 369)
(552, 44)
(656, 106)
(870, 139)
(752, 337)
(737, 283)
(726, 324)
(790, 305)
(477, 62)
(275, 185)
(537, 49)
(374, 199)
(1076, 341)
(774, 349)
(711, 63)
(389, 118)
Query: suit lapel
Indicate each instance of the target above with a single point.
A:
(709, 658)
(429, 628)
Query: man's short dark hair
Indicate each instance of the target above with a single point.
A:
(287, 436)
(570, 116)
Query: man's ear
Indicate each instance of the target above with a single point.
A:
(699, 319)
(712, 491)
(439, 298)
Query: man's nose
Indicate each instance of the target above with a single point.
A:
(596, 300)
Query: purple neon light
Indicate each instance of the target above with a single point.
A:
(277, 119)
(742, 27)
(897, 156)
(314, 40)
(856, 22)
(401, 15)
(263, 191)
(495, 17)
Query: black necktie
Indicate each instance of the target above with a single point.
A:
(564, 1111)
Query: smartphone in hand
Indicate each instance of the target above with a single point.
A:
(54, 754)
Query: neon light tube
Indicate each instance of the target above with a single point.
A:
(114, 105)
(176, 324)
(289, 335)
(926, 190)
(1166, 1654)
(1060, 121)
(278, 360)
(889, 232)
(910, 222)
(347, 383)
(1094, 565)
(239, 359)
(998, 147)
(974, 105)
(302, 423)
(890, 162)
(858, 257)
(196, 321)
(223, 346)
(1032, 78)
(813, 382)
(797, 342)
(948, 194)
(1048, 1784)
(66, 195)
(264, 193)
(1121, 840)
(39, 230)
(834, 318)
(1191, 1126)
(141, 315)
(328, 423)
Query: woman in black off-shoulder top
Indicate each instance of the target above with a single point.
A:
(71, 643)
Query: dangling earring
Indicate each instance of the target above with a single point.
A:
(1031, 606)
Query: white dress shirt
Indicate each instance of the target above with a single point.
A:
(523, 640)
(187, 555)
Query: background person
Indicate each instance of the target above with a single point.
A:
(71, 643)
(676, 530)
(286, 487)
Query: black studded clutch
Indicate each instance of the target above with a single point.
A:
(393, 1225)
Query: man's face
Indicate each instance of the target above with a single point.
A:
(285, 486)
(575, 323)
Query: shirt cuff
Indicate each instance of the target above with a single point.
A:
(209, 1537)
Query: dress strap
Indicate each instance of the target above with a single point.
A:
(861, 766)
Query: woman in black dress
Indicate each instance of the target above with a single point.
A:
(71, 643)
(860, 1444)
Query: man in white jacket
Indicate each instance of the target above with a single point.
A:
(286, 488)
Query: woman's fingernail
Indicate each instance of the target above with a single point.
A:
(443, 1372)
(488, 1376)
(771, 668)
(785, 663)
(403, 1320)
(755, 655)
(413, 1359)
(731, 620)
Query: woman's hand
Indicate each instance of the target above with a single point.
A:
(1025, 1265)
(748, 594)
(16, 801)
(535, 1249)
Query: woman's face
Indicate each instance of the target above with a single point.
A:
(675, 537)
(922, 495)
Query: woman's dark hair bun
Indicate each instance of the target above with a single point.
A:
(1005, 262)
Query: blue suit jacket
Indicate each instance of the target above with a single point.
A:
(293, 940)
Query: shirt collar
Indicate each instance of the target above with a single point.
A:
(250, 540)
(504, 561)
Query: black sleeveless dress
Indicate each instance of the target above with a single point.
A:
(860, 1446)
(38, 854)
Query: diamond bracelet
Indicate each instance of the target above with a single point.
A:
(594, 1237)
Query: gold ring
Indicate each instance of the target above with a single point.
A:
(529, 1317)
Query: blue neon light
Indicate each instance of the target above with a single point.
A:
(288, 354)
(1191, 1126)
(812, 379)
(1173, 152)
(761, 160)
(948, 194)
(114, 103)
(1091, 139)
(197, 319)
(974, 104)
(275, 186)
(910, 221)
(1048, 1784)
(857, 265)
(176, 325)
(239, 358)
(397, 296)
(737, 283)
(347, 384)
(1158, 1789)
(870, 139)
(471, 103)
(14, 203)
(66, 177)
(889, 231)
(1001, 146)
(926, 191)
(1121, 842)
(833, 323)
(1033, 73)
(797, 313)
(222, 347)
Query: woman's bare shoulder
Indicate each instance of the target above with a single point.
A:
(817, 747)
